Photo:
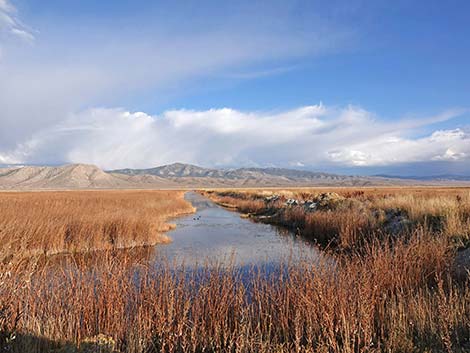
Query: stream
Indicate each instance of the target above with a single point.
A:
(214, 235)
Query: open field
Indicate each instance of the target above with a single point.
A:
(34, 223)
(392, 288)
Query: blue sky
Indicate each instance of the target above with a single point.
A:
(348, 86)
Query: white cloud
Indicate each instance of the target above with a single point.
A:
(445, 145)
(10, 24)
(308, 136)
(23, 34)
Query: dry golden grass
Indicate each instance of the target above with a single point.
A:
(387, 293)
(363, 214)
(398, 298)
(54, 222)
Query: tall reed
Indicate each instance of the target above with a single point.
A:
(398, 297)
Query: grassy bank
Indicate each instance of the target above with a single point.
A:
(351, 218)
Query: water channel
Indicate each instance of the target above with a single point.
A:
(214, 234)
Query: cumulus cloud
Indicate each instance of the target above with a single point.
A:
(443, 145)
(308, 136)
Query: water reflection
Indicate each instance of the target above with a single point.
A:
(214, 235)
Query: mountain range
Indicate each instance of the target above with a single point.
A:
(442, 177)
(179, 175)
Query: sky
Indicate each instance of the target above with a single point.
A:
(352, 87)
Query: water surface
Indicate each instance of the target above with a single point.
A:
(217, 235)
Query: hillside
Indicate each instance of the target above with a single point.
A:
(188, 174)
(191, 175)
(73, 176)
(179, 175)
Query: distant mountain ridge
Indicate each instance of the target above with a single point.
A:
(181, 170)
(192, 175)
(442, 177)
(180, 175)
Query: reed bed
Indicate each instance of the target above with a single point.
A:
(389, 292)
(34, 223)
(392, 298)
(354, 217)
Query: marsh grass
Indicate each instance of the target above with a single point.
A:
(34, 223)
(398, 297)
(363, 215)
(387, 293)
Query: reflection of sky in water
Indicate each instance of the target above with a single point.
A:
(215, 234)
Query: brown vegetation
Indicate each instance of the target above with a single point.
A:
(54, 222)
(393, 293)
(399, 299)
(351, 218)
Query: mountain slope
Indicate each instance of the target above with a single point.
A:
(174, 170)
(74, 176)
(192, 175)
(188, 170)
(179, 175)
